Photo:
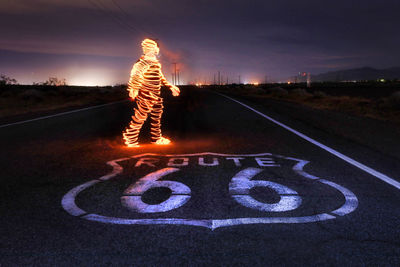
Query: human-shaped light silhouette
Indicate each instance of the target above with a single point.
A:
(144, 86)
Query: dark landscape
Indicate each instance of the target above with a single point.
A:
(199, 133)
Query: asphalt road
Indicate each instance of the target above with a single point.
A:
(262, 195)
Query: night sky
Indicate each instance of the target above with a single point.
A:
(95, 42)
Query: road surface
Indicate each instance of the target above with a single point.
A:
(234, 188)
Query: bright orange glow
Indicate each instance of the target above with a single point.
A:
(144, 86)
(256, 83)
(288, 82)
(163, 141)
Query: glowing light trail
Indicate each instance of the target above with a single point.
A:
(144, 86)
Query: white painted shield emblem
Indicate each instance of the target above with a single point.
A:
(210, 190)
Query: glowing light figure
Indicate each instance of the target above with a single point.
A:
(144, 85)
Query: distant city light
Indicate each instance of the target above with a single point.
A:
(93, 77)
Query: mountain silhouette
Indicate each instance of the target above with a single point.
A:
(359, 74)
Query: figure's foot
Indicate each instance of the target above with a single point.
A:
(132, 144)
(162, 141)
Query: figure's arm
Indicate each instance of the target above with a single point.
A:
(175, 90)
(136, 78)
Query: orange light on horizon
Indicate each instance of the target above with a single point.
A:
(144, 86)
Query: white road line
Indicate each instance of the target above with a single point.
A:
(349, 160)
(61, 114)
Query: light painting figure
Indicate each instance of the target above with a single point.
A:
(144, 86)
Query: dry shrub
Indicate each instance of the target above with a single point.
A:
(390, 103)
(32, 94)
(320, 94)
(246, 90)
(67, 91)
(394, 100)
(257, 91)
(106, 90)
(8, 93)
(299, 92)
(277, 91)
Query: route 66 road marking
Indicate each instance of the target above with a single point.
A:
(239, 188)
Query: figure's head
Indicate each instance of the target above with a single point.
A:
(150, 46)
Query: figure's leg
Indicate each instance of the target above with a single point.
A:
(131, 133)
(155, 116)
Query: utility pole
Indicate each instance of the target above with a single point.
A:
(214, 79)
(179, 83)
(227, 80)
(239, 79)
(174, 73)
(173, 79)
(219, 78)
(266, 79)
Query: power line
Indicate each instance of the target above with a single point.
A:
(130, 16)
(148, 32)
(103, 9)
(122, 22)
(127, 24)
(175, 83)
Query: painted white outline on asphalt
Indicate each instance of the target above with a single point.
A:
(242, 183)
(69, 204)
(132, 198)
(349, 160)
(61, 114)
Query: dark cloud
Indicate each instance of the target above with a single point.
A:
(251, 38)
